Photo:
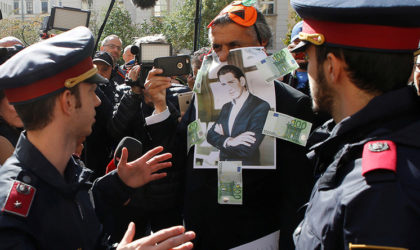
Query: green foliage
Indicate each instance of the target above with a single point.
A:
(119, 23)
(178, 26)
(27, 31)
(293, 19)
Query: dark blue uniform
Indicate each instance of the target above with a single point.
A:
(61, 211)
(367, 192)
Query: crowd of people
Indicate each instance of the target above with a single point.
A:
(353, 186)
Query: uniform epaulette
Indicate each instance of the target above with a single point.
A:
(19, 200)
(379, 155)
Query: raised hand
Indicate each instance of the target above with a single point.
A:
(155, 89)
(170, 238)
(142, 171)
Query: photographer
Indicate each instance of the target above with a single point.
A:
(158, 204)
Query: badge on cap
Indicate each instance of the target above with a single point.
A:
(19, 200)
(379, 155)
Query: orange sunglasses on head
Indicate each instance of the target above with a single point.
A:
(242, 13)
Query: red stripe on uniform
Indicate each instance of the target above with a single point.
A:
(365, 35)
(47, 85)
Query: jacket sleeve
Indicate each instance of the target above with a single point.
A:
(296, 173)
(126, 112)
(384, 213)
(254, 124)
(14, 237)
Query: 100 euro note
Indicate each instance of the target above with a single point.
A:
(277, 65)
(229, 179)
(195, 134)
(287, 128)
(200, 74)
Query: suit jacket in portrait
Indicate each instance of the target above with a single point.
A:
(251, 117)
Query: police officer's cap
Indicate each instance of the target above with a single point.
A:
(376, 25)
(50, 66)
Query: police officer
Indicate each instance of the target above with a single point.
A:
(368, 156)
(46, 198)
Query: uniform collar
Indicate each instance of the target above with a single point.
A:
(34, 161)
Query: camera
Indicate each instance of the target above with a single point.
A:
(7, 52)
(145, 55)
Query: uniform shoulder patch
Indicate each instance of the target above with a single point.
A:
(379, 155)
(19, 200)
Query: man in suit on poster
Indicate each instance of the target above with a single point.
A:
(237, 131)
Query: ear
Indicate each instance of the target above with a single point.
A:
(243, 81)
(67, 102)
(335, 68)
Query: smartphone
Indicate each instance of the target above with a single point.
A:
(173, 65)
(184, 100)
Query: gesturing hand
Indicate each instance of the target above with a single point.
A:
(142, 171)
(246, 138)
(170, 238)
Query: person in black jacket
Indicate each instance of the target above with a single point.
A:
(46, 197)
(272, 198)
(158, 204)
(367, 156)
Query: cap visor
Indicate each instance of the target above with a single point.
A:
(96, 78)
(300, 47)
(101, 60)
(294, 38)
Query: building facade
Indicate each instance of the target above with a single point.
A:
(26, 9)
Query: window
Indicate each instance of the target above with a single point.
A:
(29, 7)
(16, 7)
(44, 6)
(60, 4)
(267, 7)
(161, 8)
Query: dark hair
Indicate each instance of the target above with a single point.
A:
(261, 24)
(38, 114)
(237, 72)
(373, 72)
(1, 94)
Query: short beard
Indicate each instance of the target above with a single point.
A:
(322, 98)
(303, 65)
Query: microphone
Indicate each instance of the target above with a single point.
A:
(134, 148)
(144, 4)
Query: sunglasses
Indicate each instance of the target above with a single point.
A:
(242, 13)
